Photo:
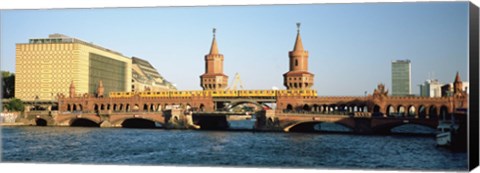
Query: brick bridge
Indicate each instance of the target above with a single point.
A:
(358, 123)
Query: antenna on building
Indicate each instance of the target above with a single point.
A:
(298, 26)
(214, 30)
(236, 81)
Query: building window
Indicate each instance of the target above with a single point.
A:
(296, 62)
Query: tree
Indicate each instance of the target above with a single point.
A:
(15, 105)
(8, 84)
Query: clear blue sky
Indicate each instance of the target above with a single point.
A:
(351, 46)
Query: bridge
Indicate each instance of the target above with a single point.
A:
(358, 123)
(297, 108)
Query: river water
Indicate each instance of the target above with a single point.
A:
(225, 148)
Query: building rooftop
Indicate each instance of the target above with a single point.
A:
(60, 38)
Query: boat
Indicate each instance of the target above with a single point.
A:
(445, 131)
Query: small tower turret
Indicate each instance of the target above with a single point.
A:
(457, 84)
(72, 90)
(100, 89)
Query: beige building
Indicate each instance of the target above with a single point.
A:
(47, 66)
(146, 78)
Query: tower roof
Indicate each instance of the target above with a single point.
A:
(214, 48)
(457, 78)
(298, 43)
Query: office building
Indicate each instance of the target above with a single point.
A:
(47, 66)
(431, 88)
(401, 78)
(146, 78)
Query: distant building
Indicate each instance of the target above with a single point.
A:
(447, 89)
(146, 78)
(431, 88)
(47, 66)
(401, 78)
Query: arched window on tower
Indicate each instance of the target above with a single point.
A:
(296, 62)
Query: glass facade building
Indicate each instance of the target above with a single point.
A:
(45, 67)
(401, 78)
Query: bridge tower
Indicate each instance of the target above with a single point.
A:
(457, 85)
(100, 89)
(298, 76)
(72, 90)
(213, 78)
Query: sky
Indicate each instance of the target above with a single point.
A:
(351, 46)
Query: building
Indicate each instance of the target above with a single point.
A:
(298, 76)
(146, 78)
(214, 78)
(431, 88)
(401, 78)
(47, 66)
(458, 86)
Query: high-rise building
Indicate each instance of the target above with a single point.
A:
(47, 66)
(431, 88)
(298, 76)
(146, 78)
(401, 78)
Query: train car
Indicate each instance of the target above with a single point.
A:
(120, 94)
(153, 94)
(224, 93)
(257, 93)
(307, 92)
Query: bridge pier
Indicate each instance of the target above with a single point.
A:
(210, 121)
(362, 126)
(267, 121)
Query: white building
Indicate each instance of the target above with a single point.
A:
(431, 88)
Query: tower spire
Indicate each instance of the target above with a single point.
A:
(457, 78)
(214, 48)
(298, 42)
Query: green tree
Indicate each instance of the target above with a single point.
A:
(15, 105)
(8, 84)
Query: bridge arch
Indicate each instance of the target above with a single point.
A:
(306, 107)
(140, 123)
(390, 110)
(422, 112)
(236, 103)
(83, 122)
(386, 128)
(308, 126)
(401, 110)
(145, 107)
(433, 112)
(376, 110)
(95, 107)
(40, 122)
(289, 107)
(411, 111)
(444, 113)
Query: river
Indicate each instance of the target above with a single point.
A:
(225, 148)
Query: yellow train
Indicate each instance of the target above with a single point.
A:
(216, 93)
